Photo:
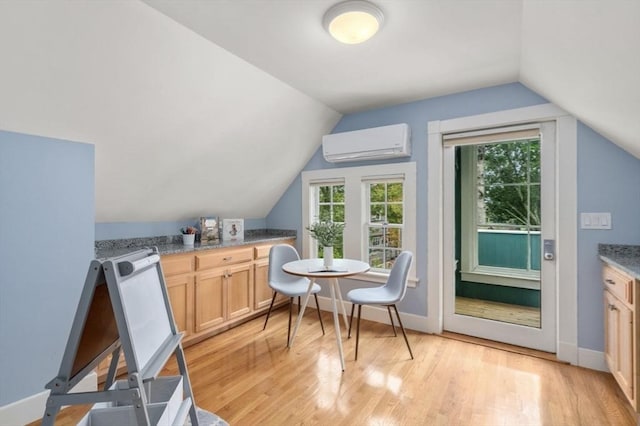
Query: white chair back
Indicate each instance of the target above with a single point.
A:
(399, 275)
(278, 256)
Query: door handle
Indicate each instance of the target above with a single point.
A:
(549, 249)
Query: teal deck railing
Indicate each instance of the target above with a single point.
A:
(509, 249)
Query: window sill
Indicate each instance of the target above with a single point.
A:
(503, 276)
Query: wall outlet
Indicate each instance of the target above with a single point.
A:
(595, 220)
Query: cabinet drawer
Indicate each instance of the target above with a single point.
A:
(618, 284)
(223, 257)
(262, 252)
(174, 265)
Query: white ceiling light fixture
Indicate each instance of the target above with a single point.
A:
(353, 21)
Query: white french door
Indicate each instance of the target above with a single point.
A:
(461, 251)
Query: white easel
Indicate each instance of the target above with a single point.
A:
(125, 306)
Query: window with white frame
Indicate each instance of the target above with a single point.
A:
(385, 208)
(328, 206)
(377, 205)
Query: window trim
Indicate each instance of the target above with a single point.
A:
(355, 210)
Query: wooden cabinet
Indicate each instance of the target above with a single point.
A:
(178, 276)
(209, 294)
(224, 286)
(239, 281)
(213, 290)
(262, 292)
(223, 294)
(620, 319)
(180, 289)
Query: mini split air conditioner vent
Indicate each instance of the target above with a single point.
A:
(368, 144)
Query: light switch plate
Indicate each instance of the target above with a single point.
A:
(595, 220)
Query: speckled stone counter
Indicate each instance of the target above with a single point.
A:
(173, 243)
(623, 257)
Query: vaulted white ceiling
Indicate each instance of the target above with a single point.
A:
(198, 107)
(583, 55)
(182, 128)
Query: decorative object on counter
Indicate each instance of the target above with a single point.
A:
(327, 234)
(189, 235)
(232, 229)
(209, 230)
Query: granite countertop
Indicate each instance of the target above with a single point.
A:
(172, 244)
(623, 257)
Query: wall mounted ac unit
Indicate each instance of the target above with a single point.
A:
(368, 144)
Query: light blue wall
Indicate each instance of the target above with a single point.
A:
(46, 243)
(117, 230)
(608, 181)
(287, 212)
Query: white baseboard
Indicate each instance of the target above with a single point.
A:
(582, 357)
(568, 352)
(31, 408)
(594, 360)
(376, 313)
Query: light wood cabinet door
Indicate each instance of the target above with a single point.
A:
(262, 292)
(239, 281)
(180, 290)
(626, 353)
(610, 333)
(619, 342)
(210, 297)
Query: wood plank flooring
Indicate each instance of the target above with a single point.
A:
(514, 314)
(248, 377)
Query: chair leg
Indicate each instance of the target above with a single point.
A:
(353, 305)
(289, 328)
(358, 330)
(403, 333)
(392, 324)
(270, 306)
(319, 314)
(298, 305)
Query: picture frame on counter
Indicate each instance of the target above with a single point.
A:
(232, 229)
(209, 230)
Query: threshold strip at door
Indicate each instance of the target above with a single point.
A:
(502, 346)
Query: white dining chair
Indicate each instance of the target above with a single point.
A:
(287, 284)
(387, 295)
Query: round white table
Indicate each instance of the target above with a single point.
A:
(314, 268)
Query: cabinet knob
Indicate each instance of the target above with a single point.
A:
(609, 281)
(612, 307)
(227, 258)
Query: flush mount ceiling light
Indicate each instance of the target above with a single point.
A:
(353, 21)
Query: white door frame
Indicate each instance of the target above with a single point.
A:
(566, 214)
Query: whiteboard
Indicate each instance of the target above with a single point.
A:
(145, 312)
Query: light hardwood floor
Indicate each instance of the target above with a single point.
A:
(248, 377)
